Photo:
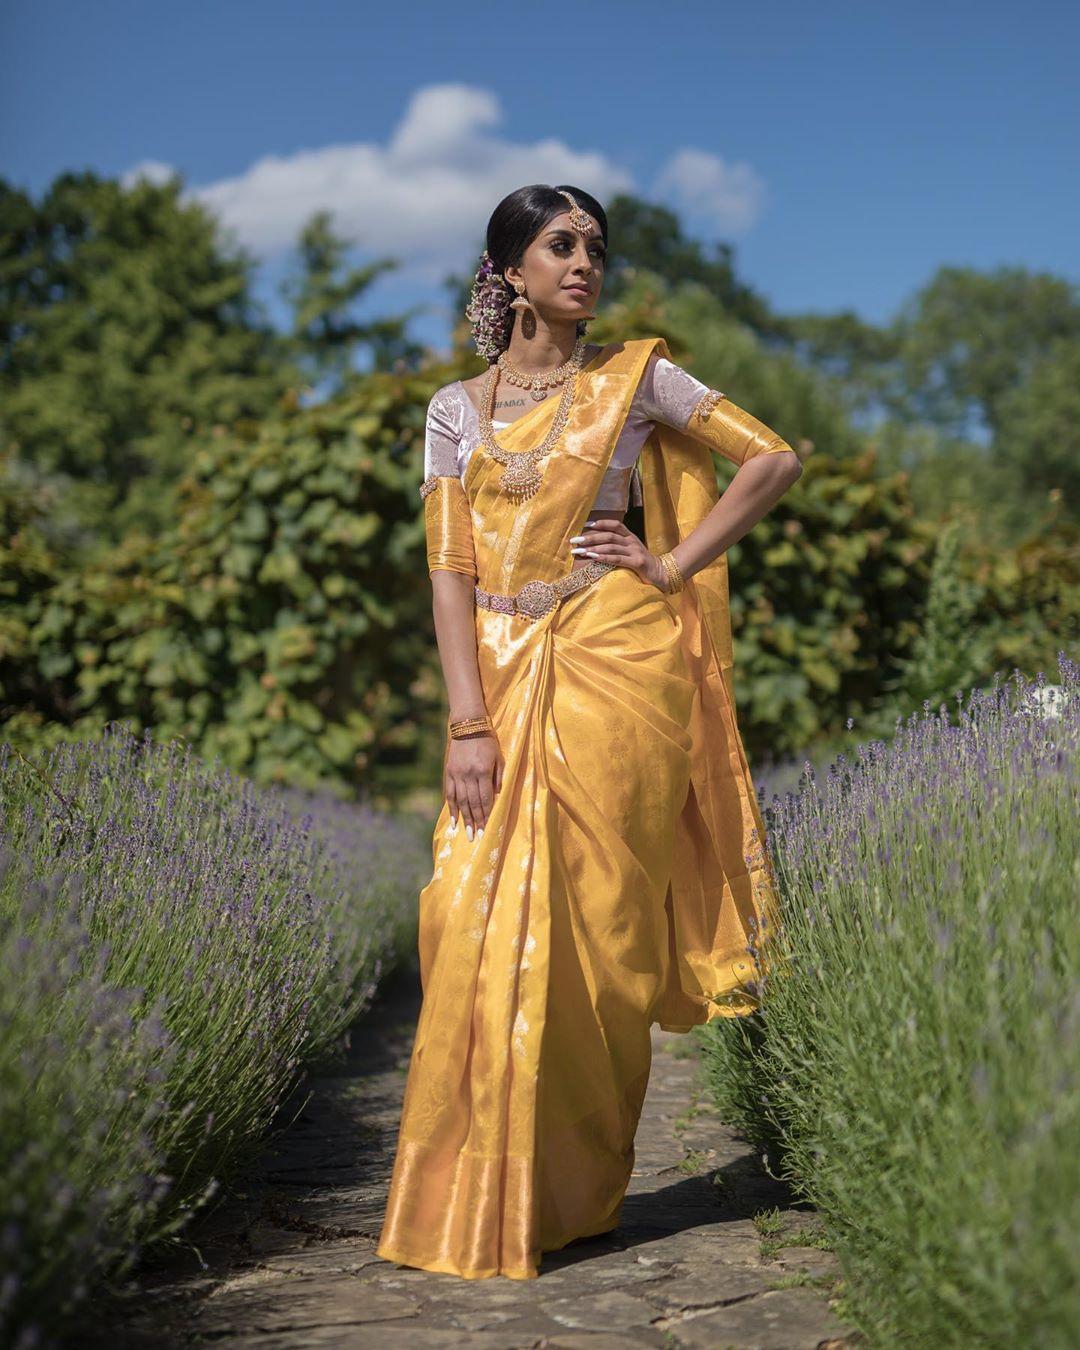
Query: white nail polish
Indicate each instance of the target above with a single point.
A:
(469, 832)
(480, 832)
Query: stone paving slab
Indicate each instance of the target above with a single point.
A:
(289, 1259)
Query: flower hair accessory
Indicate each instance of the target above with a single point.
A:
(488, 309)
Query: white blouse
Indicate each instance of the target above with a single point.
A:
(666, 393)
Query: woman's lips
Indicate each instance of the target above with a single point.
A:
(579, 290)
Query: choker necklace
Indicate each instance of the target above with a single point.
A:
(521, 476)
(542, 380)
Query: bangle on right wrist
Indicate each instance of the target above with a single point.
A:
(675, 577)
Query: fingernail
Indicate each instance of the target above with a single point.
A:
(577, 539)
(589, 524)
(480, 832)
(469, 832)
(578, 549)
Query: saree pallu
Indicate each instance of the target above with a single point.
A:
(621, 879)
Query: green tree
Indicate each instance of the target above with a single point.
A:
(127, 330)
(968, 340)
(972, 389)
(858, 356)
(323, 294)
(1040, 422)
(646, 236)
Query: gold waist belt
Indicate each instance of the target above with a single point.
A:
(537, 598)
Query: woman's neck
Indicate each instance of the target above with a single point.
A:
(545, 351)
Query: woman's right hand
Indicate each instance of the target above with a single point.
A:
(473, 774)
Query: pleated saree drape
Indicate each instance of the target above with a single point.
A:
(621, 879)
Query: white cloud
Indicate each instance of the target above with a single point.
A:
(727, 196)
(153, 170)
(425, 195)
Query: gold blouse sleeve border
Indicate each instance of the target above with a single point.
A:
(431, 482)
(707, 403)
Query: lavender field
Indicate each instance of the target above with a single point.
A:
(176, 948)
(915, 1069)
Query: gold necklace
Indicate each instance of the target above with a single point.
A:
(541, 380)
(521, 475)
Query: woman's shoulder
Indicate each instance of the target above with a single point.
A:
(446, 392)
(447, 400)
(447, 413)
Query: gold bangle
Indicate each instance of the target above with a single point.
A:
(675, 577)
(470, 726)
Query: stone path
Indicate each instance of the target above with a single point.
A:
(709, 1252)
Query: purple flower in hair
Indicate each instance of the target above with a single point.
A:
(488, 309)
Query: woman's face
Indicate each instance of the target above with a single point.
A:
(558, 264)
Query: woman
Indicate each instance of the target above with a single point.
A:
(599, 862)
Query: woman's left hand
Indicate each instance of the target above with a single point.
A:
(608, 540)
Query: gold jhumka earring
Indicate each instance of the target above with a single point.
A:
(521, 300)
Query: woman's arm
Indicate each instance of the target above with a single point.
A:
(755, 489)
(751, 494)
(454, 608)
(767, 468)
(473, 766)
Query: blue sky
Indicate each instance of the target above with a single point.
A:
(845, 150)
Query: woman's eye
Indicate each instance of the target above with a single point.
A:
(597, 251)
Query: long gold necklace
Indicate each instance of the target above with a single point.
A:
(521, 476)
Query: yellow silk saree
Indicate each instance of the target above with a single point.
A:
(622, 878)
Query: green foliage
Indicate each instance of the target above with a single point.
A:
(29, 569)
(126, 331)
(826, 600)
(284, 623)
(988, 611)
(950, 651)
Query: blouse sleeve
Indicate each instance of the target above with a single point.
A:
(447, 515)
(673, 396)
